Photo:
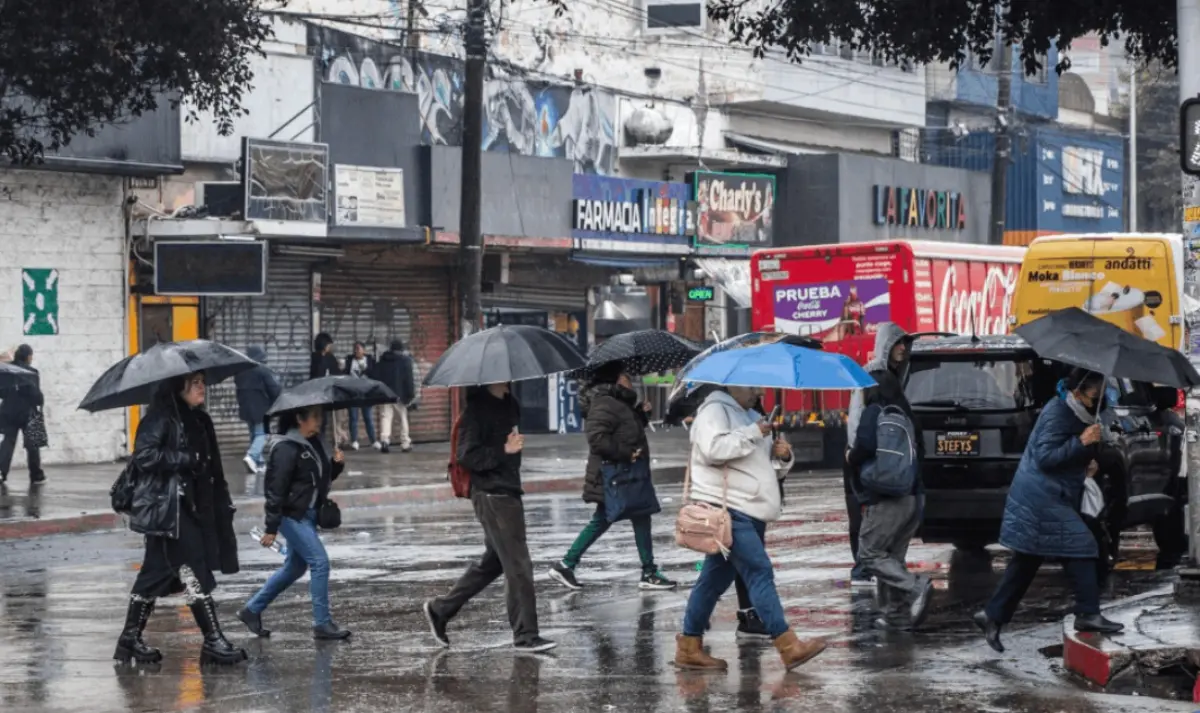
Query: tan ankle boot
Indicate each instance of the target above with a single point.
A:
(689, 654)
(795, 651)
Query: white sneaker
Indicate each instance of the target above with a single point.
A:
(251, 466)
(377, 445)
(354, 446)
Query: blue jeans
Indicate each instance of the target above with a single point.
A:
(747, 558)
(305, 552)
(258, 439)
(367, 419)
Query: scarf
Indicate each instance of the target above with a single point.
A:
(1081, 412)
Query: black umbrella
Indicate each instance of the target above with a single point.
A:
(335, 392)
(502, 354)
(648, 351)
(133, 380)
(13, 376)
(1075, 337)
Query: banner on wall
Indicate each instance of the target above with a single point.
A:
(734, 210)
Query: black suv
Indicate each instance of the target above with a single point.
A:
(977, 399)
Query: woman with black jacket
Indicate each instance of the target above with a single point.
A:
(299, 476)
(182, 505)
(615, 424)
(16, 410)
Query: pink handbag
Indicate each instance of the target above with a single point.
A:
(702, 527)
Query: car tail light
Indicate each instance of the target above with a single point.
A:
(1181, 401)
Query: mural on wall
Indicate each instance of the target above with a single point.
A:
(531, 118)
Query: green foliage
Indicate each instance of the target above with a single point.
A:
(68, 67)
(945, 30)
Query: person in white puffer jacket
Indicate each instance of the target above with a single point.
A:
(729, 440)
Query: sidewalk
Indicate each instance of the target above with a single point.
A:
(1159, 647)
(75, 498)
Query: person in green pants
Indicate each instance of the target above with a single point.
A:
(615, 424)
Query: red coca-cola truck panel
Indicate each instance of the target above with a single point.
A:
(840, 294)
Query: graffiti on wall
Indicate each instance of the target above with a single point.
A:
(531, 118)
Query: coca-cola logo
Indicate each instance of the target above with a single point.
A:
(983, 311)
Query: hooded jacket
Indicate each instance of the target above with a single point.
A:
(888, 336)
(299, 476)
(20, 402)
(727, 443)
(257, 388)
(615, 428)
(395, 370)
(486, 424)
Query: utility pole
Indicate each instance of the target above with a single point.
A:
(1133, 149)
(470, 229)
(410, 25)
(1003, 148)
(1188, 29)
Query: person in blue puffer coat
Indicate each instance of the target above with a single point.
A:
(1042, 514)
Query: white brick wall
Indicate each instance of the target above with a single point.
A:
(72, 223)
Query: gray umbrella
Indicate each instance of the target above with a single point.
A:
(502, 354)
(133, 380)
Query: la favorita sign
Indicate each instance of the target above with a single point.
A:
(920, 208)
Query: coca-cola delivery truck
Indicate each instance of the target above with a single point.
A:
(841, 293)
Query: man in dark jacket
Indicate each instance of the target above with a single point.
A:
(889, 523)
(257, 389)
(489, 447)
(17, 408)
(395, 370)
(325, 363)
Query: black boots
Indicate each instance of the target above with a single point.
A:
(216, 649)
(130, 647)
(330, 632)
(991, 631)
(254, 623)
(1096, 623)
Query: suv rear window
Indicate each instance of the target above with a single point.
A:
(988, 384)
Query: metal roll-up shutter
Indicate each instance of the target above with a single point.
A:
(552, 297)
(279, 321)
(374, 304)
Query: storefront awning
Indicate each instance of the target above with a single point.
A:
(769, 146)
(732, 275)
(624, 261)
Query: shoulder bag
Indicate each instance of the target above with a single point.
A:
(702, 527)
(34, 430)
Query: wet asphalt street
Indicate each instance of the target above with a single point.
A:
(62, 601)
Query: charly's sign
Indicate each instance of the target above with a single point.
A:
(734, 209)
(920, 208)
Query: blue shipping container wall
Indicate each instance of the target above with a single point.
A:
(1029, 96)
(1058, 182)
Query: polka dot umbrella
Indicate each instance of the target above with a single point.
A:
(647, 351)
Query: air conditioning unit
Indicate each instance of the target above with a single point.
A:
(222, 198)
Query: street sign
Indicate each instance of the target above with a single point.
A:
(1189, 136)
(39, 291)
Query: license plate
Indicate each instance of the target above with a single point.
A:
(957, 443)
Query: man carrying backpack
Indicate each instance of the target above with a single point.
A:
(886, 456)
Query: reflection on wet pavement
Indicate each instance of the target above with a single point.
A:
(62, 599)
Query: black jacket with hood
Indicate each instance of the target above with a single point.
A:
(887, 337)
(615, 428)
(300, 473)
(486, 425)
(20, 401)
(395, 370)
(257, 388)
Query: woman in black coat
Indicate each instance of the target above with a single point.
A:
(299, 475)
(18, 407)
(615, 424)
(182, 505)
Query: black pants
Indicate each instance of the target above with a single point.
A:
(1022, 568)
(9, 445)
(174, 566)
(853, 510)
(507, 553)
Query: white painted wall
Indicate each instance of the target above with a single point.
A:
(282, 86)
(73, 224)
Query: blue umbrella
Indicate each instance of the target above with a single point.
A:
(779, 365)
